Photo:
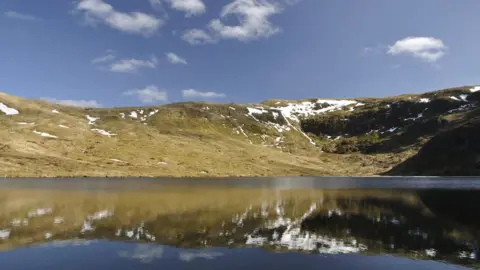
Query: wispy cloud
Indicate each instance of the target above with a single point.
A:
(20, 16)
(132, 22)
(144, 253)
(132, 65)
(429, 49)
(198, 36)
(73, 102)
(190, 7)
(175, 59)
(189, 256)
(377, 49)
(109, 56)
(195, 94)
(149, 94)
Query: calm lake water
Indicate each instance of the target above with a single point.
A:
(265, 223)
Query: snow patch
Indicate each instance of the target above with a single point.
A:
(473, 90)
(117, 160)
(454, 98)
(232, 108)
(122, 115)
(463, 97)
(420, 115)
(91, 119)
(162, 163)
(7, 110)
(424, 100)
(58, 220)
(304, 109)
(55, 111)
(62, 126)
(103, 132)
(258, 110)
(44, 134)
(48, 235)
(133, 114)
(25, 123)
(153, 112)
(40, 212)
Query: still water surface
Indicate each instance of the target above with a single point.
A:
(268, 223)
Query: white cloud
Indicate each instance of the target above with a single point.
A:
(253, 16)
(253, 22)
(198, 36)
(132, 65)
(132, 22)
(77, 103)
(148, 94)
(20, 16)
(192, 93)
(175, 59)
(426, 48)
(190, 7)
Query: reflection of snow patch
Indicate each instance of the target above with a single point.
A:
(48, 235)
(5, 234)
(430, 252)
(40, 212)
(86, 227)
(101, 215)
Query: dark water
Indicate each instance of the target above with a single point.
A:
(268, 223)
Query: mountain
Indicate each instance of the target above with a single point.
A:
(407, 134)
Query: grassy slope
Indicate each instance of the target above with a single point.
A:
(200, 139)
(192, 141)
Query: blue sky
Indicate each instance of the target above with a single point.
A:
(116, 52)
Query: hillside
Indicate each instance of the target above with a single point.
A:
(366, 136)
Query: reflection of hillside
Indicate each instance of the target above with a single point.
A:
(326, 221)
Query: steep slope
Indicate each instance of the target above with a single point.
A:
(453, 152)
(276, 137)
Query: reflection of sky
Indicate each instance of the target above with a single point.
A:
(123, 256)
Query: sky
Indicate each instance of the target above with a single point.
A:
(104, 53)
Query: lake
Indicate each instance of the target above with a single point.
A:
(250, 223)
